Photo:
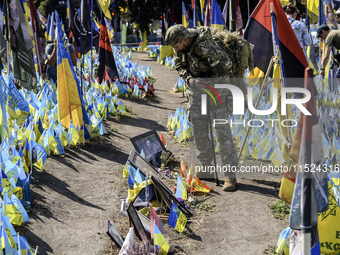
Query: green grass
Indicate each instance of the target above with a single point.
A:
(280, 210)
(270, 250)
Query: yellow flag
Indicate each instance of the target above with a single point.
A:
(329, 225)
(68, 96)
(104, 5)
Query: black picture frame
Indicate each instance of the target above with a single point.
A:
(145, 220)
(141, 233)
(151, 144)
(137, 161)
(114, 234)
(169, 197)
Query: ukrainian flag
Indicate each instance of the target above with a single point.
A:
(216, 16)
(185, 23)
(177, 219)
(181, 190)
(110, 30)
(50, 30)
(11, 211)
(313, 10)
(17, 106)
(10, 231)
(160, 241)
(39, 154)
(7, 241)
(69, 99)
(282, 247)
(6, 184)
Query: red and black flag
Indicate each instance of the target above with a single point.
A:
(73, 23)
(85, 26)
(105, 53)
(39, 33)
(259, 33)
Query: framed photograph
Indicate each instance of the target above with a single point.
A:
(139, 229)
(168, 196)
(150, 145)
(114, 234)
(137, 161)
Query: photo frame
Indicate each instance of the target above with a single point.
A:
(150, 144)
(145, 220)
(140, 231)
(137, 161)
(168, 196)
(114, 234)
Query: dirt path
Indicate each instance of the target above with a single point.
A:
(76, 194)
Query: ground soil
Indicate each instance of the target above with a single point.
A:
(75, 195)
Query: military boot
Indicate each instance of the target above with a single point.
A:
(229, 184)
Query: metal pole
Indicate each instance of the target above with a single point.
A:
(264, 84)
(81, 75)
(233, 16)
(37, 51)
(307, 178)
(92, 36)
(212, 139)
(8, 37)
(8, 60)
(248, 9)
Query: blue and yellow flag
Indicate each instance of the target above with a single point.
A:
(7, 242)
(177, 219)
(216, 16)
(181, 190)
(39, 155)
(26, 249)
(51, 28)
(26, 192)
(10, 231)
(73, 135)
(282, 247)
(185, 23)
(19, 207)
(11, 211)
(6, 184)
(3, 115)
(160, 241)
(69, 99)
(17, 105)
(110, 30)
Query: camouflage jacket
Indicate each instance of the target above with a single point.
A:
(203, 58)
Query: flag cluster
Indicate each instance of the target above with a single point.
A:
(180, 124)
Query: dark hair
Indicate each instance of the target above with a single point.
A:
(291, 9)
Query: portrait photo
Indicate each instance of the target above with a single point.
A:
(149, 146)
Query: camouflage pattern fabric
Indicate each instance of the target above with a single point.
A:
(204, 58)
(201, 129)
(176, 33)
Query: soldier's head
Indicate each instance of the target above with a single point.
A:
(323, 31)
(179, 37)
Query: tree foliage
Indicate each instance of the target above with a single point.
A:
(144, 11)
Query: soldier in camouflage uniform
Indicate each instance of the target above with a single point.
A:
(199, 56)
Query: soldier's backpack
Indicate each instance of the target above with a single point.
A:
(239, 50)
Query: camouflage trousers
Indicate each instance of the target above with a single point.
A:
(200, 125)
